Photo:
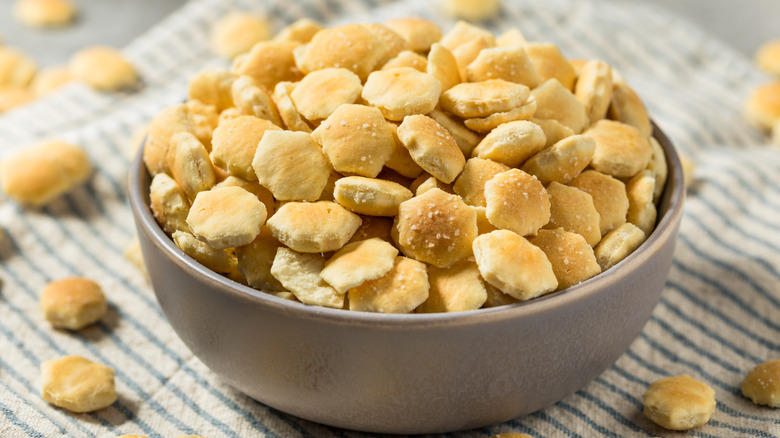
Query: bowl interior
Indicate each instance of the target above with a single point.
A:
(669, 212)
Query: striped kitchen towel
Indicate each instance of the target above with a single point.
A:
(718, 316)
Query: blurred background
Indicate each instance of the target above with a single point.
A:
(744, 24)
(111, 22)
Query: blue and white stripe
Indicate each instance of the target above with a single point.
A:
(718, 316)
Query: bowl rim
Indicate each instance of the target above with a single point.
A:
(666, 228)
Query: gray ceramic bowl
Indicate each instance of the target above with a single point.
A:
(419, 373)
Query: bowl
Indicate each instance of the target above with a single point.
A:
(416, 373)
